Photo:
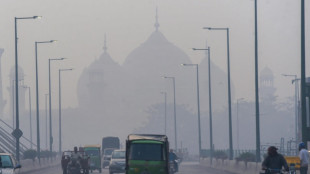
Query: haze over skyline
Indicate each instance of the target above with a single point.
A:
(80, 26)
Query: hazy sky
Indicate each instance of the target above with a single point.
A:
(80, 26)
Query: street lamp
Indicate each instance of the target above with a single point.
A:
(50, 100)
(165, 94)
(210, 100)
(17, 133)
(296, 102)
(37, 96)
(198, 106)
(238, 100)
(30, 117)
(229, 92)
(174, 109)
(60, 70)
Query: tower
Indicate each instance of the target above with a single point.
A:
(2, 102)
(267, 89)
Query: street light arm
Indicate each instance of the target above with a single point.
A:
(210, 28)
(50, 41)
(33, 17)
(165, 77)
(66, 69)
(58, 59)
(197, 49)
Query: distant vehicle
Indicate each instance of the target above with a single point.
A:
(93, 151)
(109, 143)
(146, 153)
(117, 163)
(72, 165)
(8, 164)
(107, 154)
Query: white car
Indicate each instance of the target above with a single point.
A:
(8, 164)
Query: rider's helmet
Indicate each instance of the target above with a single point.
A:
(272, 150)
(302, 145)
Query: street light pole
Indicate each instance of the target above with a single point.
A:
(17, 133)
(37, 97)
(165, 94)
(50, 101)
(296, 103)
(198, 106)
(175, 117)
(305, 134)
(60, 144)
(258, 158)
(210, 101)
(46, 118)
(231, 154)
(238, 100)
(30, 116)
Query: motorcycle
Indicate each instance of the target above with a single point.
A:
(173, 165)
(74, 167)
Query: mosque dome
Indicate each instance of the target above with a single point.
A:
(99, 78)
(145, 66)
(266, 73)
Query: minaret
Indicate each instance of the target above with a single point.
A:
(105, 48)
(2, 102)
(156, 23)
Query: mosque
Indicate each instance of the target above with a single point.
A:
(108, 88)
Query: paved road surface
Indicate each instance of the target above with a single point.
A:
(185, 168)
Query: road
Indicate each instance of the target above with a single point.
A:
(185, 168)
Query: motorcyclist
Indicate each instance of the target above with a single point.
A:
(74, 161)
(274, 161)
(173, 157)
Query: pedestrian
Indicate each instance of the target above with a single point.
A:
(304, 158)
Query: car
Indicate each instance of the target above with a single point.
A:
(8, 164)
(118, 162)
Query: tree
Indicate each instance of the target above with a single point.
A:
(30, 154)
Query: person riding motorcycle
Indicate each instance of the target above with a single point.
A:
(74, 162)
(274, 162)
(173, 157)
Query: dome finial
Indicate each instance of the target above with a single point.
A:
(105, 43)
(156, 23)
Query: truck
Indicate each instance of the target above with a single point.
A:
(147, 153)
(108, 145)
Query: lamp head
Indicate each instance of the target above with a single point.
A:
(37, 17)
(208, 28)
(53, 41)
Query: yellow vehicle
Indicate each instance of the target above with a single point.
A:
(93, 151)
(293, 161)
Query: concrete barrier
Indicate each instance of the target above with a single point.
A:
(28, 165)
(233, 166)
